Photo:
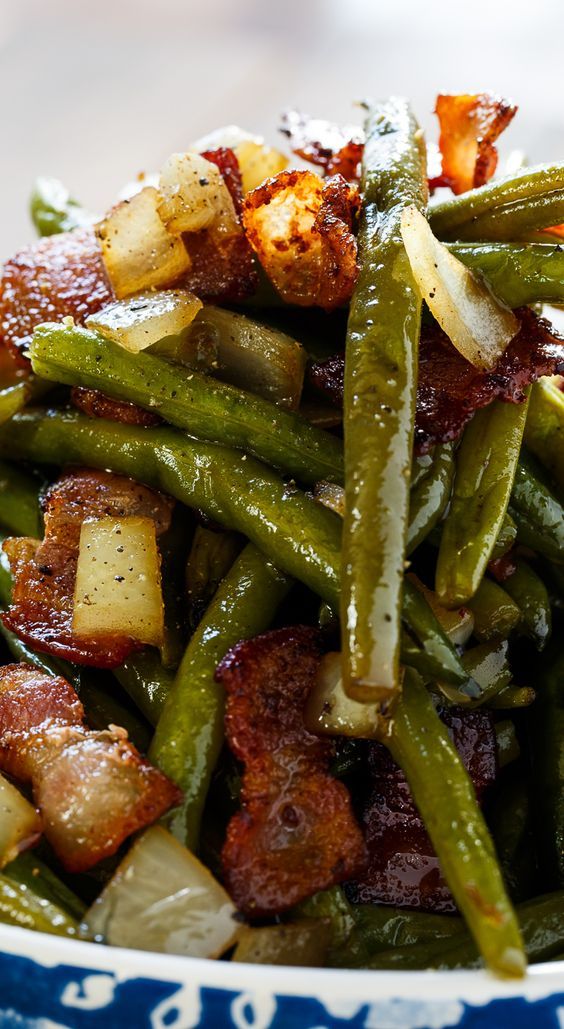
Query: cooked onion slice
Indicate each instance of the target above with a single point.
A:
(457, 624)
(330, 710)
(163, 899)
(194, 196)
(330, 495)
(140, 321)
(138, 251)
(118, 580)
(301, 943)
(257, 160)
(478, 325)
(20, 824)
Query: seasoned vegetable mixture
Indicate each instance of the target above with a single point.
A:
(282, 575)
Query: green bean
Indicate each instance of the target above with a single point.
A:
(488, 666)
(514, 221)
(507, 742)
(15, 397)
(425, 646)
(547, 743)
(527, 184)
(544, 431)
(332, 905)
(517, 273)
(511, 823)
(189, 733)
(379, 405)
(53, 210)
(512, 697)
(495, 612)
(19, 502)
(485, 469)
(420, 743)
(21, 907)
(211, 556)
(207, 409)
(538, 513)
(429, 496)
(29, 870)
(506, 538)
(146, 681)
(531, 595)
(301, 537)
(542, 926)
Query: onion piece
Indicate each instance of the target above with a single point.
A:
(161, 898)
(118, 580)
(330, 495)
(301, 943)
(329, 709)
(247, 354)
(257, 160)
(478, 325)
(194, 196)
(457, 624)
(20, 824)
(138, 251)
(147, 318)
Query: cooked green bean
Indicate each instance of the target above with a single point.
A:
(510, 818)
(487, 664)
(506, 538)
(531, 596)
(508, 749)
(53, 210)
(211, 556)
(548, 766)
(518, 273)
(544, 430)
(485, 468)
(189, 733)
(146, 681)
(527, 184)
(538, 513)
(495, 612)
(14, 398)
(207, 409)
(512, 697)
(421, 745)
(29, 870)
(429, 496)
(19, 502)
(425, 646)
(21, 907)
(379, 405)
(513, 221)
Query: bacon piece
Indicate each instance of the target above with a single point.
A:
(98, 405)
(403, 868)
(56, 277)
(45, 572)
(296, 832)
(301, 230)
(469, 127)
(502, 568)
(93, 789)
(450, 389)
(335, 148)
(226, 160)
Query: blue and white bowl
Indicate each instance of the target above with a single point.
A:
(48, 982)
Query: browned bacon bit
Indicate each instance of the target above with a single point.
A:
(403, 868)
(97, 405)
(300, 227)
(226, 160)
(469, 127)
(296, 832)
(56, 277)
(45, 572)
(502, 568)
(335, 148)
(93, 789)
(450, 389)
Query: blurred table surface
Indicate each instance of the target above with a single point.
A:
(94, 91)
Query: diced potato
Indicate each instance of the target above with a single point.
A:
(118, 580)
(162, 898)
(138, 251)
(193, 196)
(20, 824)
(148, 318)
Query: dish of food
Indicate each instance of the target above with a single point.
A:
(282, 579)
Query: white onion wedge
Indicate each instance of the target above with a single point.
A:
(161, 898)
(20, 824)
(330, 710)
(193, 196)
(257, 160)
(147, 318)
(118, 580)
(330, 495)
(478, 325)
(138, 251)
(457, 624)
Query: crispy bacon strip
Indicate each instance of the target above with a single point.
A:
(469, 127)
(226, 160)
(93, 789)
(335, 148)
(301, 230)
(45, 572)
(296, 832)
(98, 405)
(403, 868)
(56, 277)
(450, 389)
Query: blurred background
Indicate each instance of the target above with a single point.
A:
(94, 91)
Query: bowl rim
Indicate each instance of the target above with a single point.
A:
(337, 984)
